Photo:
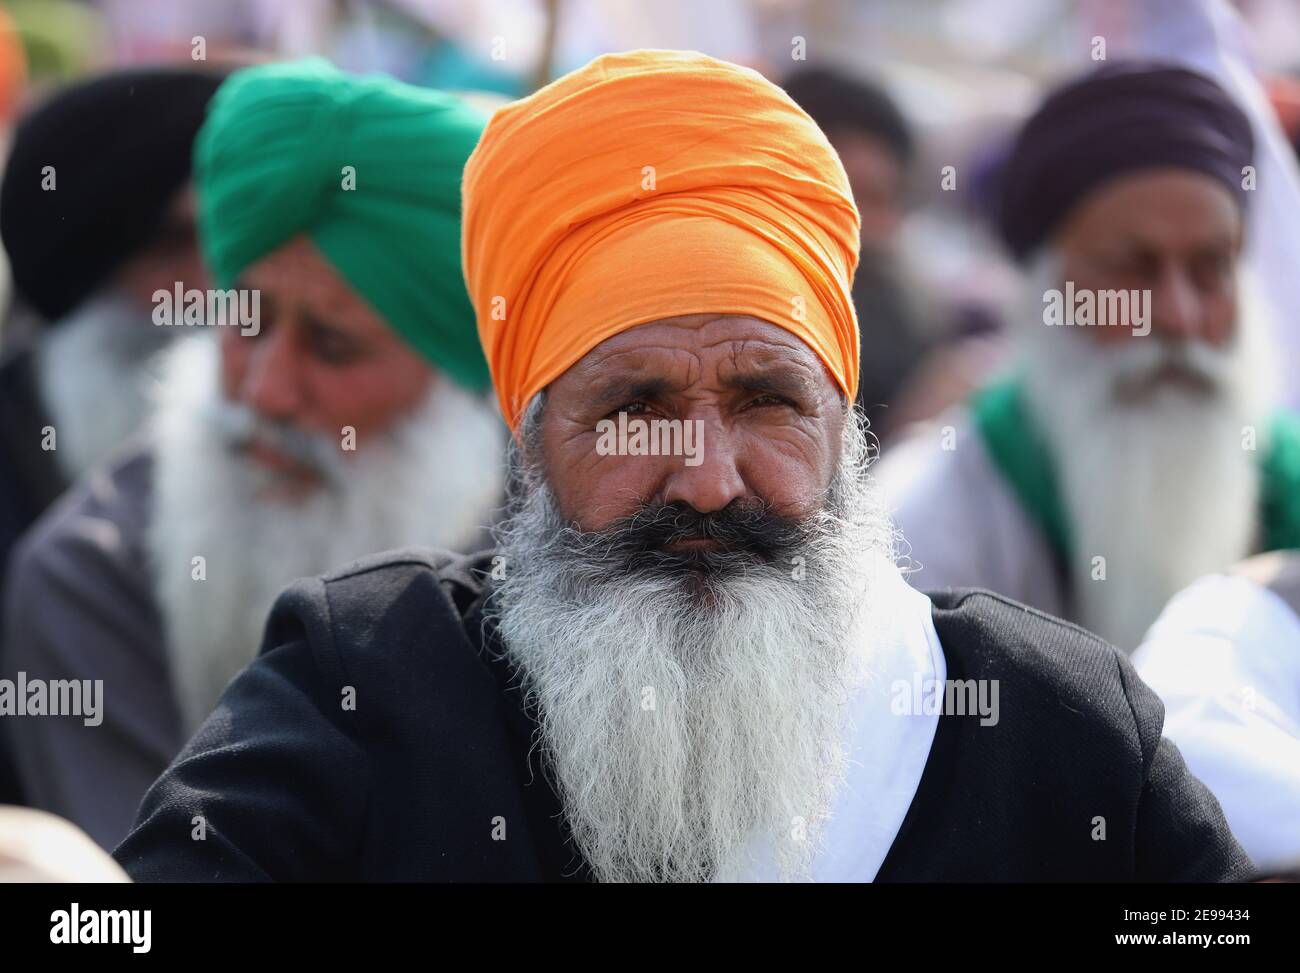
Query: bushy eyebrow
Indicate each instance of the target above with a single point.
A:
(781, 381)
(621, 389)
(777, 381)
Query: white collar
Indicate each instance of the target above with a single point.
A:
(887, 751)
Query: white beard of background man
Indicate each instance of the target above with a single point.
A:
(95, 368)
(433, 480)
(1151, 442)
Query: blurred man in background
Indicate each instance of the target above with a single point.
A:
(340, 416)
(1129, 457)
(94, 215)
(875, 144)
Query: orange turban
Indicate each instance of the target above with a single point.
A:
(650, 185)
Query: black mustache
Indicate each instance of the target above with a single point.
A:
(743, 531)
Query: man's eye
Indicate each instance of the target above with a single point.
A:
(332, 357)
(631, 408)
(1210, 270)
(335, 352)
(768, 399)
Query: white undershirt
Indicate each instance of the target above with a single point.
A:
(886, 751)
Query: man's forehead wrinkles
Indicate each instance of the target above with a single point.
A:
(776, 343)
(756, 355)
(635, 357)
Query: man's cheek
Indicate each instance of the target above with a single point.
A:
(1225, 321)
(338, 400)
(599, 490)
(234, 366)
(791, 487)
(587, 455)
(791, 498)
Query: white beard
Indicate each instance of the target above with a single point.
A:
(94, 369)
(686, 737)
(432, 481)
(1160, 487)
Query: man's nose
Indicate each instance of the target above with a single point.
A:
(715, 481)
(273, 384)
(1177, 309)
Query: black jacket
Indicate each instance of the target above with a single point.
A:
(287, 781)
(30, 481)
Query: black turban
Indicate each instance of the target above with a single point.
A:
(836, 99)
(120, 146)
(1117, 119)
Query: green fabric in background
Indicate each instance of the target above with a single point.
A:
(269, 165)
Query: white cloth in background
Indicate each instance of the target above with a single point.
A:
(1224, 656)
(962, 526)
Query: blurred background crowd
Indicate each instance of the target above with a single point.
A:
(908, 88)
(923, 100)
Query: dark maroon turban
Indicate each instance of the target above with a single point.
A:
(1115, 120)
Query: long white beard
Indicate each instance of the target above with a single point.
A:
(94, 370)
(433, 481)
(687, 736)
(1160, 487)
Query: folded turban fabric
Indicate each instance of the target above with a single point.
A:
(649, 185)
(1111, 122)
(270, 164)
(118, 148)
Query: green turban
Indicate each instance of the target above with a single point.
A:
(369, 169)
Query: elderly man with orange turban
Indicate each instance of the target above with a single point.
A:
(690, 656)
